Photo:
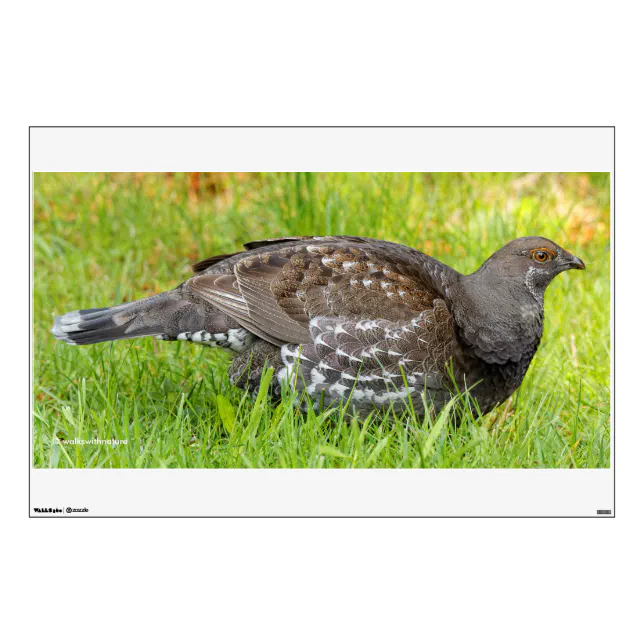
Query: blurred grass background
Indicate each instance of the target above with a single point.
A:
(103, 238)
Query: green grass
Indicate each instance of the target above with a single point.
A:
(102, 239)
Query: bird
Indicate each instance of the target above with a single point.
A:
(351, 320)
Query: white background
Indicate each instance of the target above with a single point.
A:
(336, 63)
(322, 149)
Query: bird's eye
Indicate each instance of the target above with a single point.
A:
(540, 256)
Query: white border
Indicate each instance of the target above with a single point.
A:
(321, 149)
(324, 492)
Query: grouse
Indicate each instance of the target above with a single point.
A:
(367, 322)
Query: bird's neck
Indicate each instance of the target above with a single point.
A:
(499, 319)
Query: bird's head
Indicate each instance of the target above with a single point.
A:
(531, 263)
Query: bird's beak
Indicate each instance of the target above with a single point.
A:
(569, 261)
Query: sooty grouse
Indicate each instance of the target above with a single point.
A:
(354, 319)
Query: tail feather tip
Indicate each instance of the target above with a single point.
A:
(63, 324)
(68, 324)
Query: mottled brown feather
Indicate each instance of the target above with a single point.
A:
(284, 287)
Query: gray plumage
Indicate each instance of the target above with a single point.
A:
(353, 319)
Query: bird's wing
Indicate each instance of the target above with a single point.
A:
(204, 264)
(276, 293)
(207, 263)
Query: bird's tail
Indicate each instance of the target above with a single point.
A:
(150, 316)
